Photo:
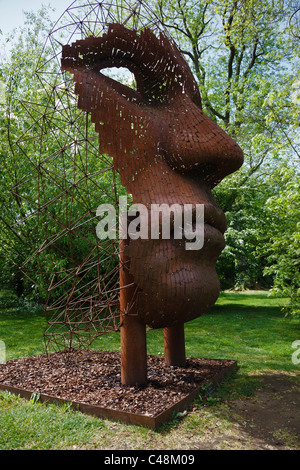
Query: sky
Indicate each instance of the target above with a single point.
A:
(11, 11)
(12, 16)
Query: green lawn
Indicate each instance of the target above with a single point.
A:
(248, 327)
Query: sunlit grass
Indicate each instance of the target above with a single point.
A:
(248, 327)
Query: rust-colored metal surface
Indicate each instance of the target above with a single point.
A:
(132, 329)
(174, 344)
(157, 142)
(166, 151)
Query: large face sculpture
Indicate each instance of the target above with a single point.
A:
(166, 151)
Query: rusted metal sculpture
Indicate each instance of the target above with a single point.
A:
(166, 151)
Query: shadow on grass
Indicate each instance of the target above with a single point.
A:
(247, 327)
(269, 415)
(246, 309)
(262, 410)
(233, 386)
(231, 295)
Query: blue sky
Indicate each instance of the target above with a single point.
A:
(12, 16)
(11, 11)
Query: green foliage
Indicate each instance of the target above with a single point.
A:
(52, 178)
(280, 238)
(17, 83)
(245, 57)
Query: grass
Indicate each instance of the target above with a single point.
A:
(248, 327)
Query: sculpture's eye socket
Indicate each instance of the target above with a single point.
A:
(122, 75)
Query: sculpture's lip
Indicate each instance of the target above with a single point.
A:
(214, 217)
(209, 243)
(203, 222)
(205, 234)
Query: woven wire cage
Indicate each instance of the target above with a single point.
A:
(77, 273)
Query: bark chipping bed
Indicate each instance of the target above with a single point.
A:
(94, 378)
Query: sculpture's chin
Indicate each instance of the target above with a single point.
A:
(175, 285)
(191, 299)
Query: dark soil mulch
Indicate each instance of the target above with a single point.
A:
(94, 378)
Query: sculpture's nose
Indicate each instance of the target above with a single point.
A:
(194, 144)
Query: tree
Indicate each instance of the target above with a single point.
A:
(246, 59)
(50, 165)
(17, 85)
(279, 236)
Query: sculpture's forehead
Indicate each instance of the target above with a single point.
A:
(160, 69)
(157, 128)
